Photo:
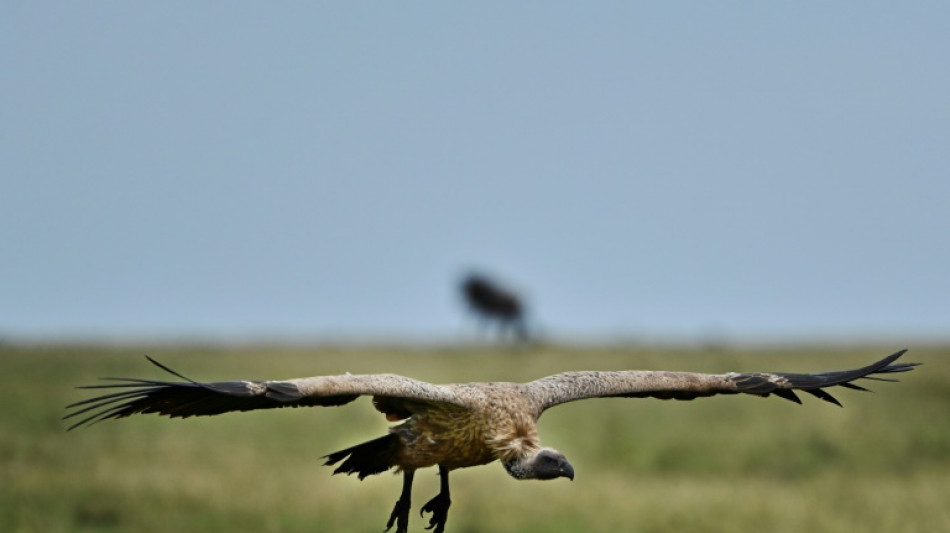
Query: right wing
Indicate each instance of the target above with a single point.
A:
(182, 399)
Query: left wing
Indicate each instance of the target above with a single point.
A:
(571, 386)
(183, 399)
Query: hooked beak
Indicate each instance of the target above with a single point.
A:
(567, 471)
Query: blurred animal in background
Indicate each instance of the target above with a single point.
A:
(493, 304)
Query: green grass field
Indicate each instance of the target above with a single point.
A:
(718, 464)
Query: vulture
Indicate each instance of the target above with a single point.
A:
(452, 426)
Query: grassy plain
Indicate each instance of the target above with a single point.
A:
(719, 464)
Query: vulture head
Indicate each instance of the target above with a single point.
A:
(546, 463)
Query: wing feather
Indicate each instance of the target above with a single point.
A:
(571, 386)
(187, 398)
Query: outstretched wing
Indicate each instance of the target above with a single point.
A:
(182, 399)
(571, 386)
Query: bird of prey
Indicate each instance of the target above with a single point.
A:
(452, 426)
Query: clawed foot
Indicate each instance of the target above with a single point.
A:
(399, 516)
(439, 507)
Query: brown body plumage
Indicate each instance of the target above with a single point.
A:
(453, 426)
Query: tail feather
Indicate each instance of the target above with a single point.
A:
(368, 458)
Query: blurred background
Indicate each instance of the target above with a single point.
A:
(230, 171)
(461, 192)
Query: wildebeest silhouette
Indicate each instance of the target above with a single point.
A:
(493, 303)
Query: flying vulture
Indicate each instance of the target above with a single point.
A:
(452, 426)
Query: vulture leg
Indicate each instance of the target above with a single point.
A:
(400, 514)
(439, 506)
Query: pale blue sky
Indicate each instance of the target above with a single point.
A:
(318, 171)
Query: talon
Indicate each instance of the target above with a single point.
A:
(399, 517)
(400, 514)
(439, 507)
